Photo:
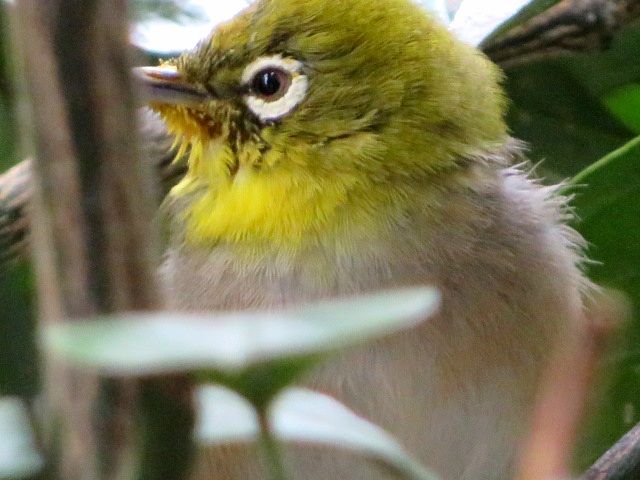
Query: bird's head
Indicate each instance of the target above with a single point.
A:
(297, 112)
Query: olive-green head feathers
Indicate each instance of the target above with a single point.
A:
(308, 102)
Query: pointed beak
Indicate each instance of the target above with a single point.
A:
(167, 85)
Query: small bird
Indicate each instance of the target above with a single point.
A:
(337, 147)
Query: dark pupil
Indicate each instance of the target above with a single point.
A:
(267, 83)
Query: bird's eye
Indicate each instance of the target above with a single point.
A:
(275, 87)
(271, 83)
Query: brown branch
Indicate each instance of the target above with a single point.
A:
(92, 238)
(569, 26)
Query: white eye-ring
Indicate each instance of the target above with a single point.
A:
(276, 86)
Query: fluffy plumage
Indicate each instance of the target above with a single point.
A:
(393, 170)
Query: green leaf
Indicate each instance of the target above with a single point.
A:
(302, 416)
(565, 125)
(476, 20)
(19, 457)
(602, 71)
(7, 134)
(255, 353)
(8, 119)
(608, 205)
(624, 103)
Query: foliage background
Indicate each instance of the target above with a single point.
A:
(18, 370)
(7, 119)
(573, 111)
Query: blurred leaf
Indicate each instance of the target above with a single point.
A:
(7, 117)
(7, 135)
(302, 416)
(608, 205)
(601, 72)
(475, 20)
(18, 356)
(19, 457)
(5, 54)
(165, 425)
(255, 353)
(566, 127)
(624, 103)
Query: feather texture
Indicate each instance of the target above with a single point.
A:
(459, 389)
(394, 170)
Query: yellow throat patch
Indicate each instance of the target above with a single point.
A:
(238, 197)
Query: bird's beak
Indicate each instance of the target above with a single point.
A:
(165, 84)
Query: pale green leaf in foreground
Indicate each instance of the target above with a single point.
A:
(146, 344)
(302, 416)
(19, 457)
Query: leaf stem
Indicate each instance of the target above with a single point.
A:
(270, 447)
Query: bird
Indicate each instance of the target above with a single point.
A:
(339, 147)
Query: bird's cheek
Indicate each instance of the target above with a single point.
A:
(211, 162)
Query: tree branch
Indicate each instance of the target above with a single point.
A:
(568, 27)
(92, 239)
(620, 462)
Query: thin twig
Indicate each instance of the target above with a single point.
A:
(93, 240)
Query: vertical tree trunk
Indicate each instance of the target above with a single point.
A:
(93, 242)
